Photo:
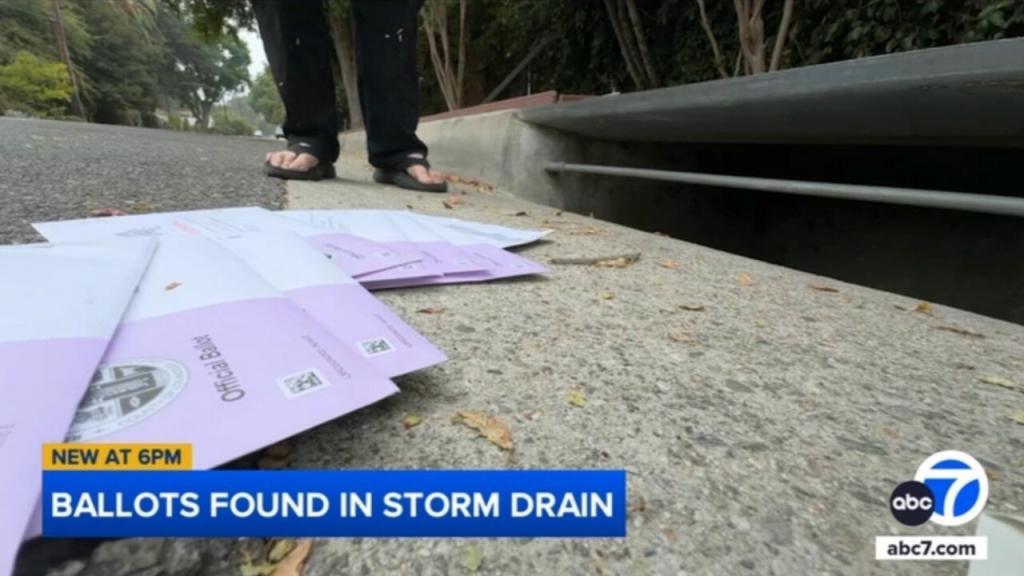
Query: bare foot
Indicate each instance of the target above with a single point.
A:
(425, 176)
(290, 161)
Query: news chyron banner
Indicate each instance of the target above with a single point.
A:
(127, 490)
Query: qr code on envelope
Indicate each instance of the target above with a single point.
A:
(302, 383)
(376, 346)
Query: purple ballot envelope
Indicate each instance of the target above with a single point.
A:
(211, 354)
(495, 262)
(397, 230)
(336, 301)
(59, 305)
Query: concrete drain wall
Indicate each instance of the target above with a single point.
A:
(970, 261)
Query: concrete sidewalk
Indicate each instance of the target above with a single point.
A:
(762, 433)
(764, 415)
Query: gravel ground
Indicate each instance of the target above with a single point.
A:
(762, 429)
(56, 170)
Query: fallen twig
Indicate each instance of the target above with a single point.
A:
(624, 259)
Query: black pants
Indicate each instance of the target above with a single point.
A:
(298, 45)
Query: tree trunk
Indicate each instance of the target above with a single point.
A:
(706, 25)
(750, 28)
(780, 36)
(341, 33)
(65, 57)
(630, 37)
(435, 25)
(204, 109)
(627, 58)
(461, 75)
(641, 42)
(435, 59)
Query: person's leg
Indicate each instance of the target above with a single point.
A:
(385, 34)
(295, 37)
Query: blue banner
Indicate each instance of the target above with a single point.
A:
(365, 503)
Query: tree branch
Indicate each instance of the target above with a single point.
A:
(706, 25)
(613, 16)
(780, 36)
(641, 41)
(435, 59)
(462, 51)
(630, 38)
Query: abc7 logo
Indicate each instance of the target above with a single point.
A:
(950, 488)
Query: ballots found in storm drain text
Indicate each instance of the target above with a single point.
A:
(343, 505)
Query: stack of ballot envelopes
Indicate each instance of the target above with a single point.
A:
(229, 329)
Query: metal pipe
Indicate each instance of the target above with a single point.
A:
(1005, 205)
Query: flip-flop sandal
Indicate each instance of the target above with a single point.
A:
(324, 170)
(399, 177)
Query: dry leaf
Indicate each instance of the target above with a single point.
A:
(172, 286)
(293, 562)
(521, 213)
(607, 295)
(924, 308)
(431, 310)
(680, 336)
(744, 280)
(105, 212)
(456, 179)
(447, 205)
(692, 307)
(823, 288)
(998, 381)
(490, 427)
(411, 421)
(960, 331)
(668, 263)
(1018, 417)
(588, 231)
(576, 398)
(279, 549)
(473, 559)
(249, 569)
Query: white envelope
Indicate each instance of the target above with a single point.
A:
(59, 307)
(483, 233)
(353, 254)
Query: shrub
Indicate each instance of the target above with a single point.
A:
(35, 86)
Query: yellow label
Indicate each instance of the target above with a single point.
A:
(117, 456)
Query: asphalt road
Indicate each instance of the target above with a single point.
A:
(57, 170)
